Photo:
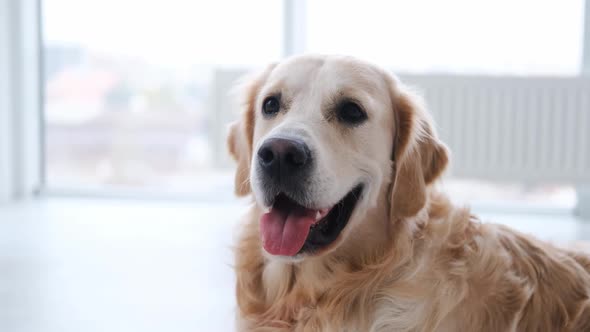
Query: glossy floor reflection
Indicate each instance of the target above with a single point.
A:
(101, 265)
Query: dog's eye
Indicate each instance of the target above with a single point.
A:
(351, 113)
(270, 106)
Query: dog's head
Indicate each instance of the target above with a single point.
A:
(321, 139)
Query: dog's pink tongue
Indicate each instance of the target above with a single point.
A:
(284, 233)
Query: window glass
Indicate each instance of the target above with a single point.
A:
(460, 36)
(127, 86)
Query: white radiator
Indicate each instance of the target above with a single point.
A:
(499, 128)
(507, 128)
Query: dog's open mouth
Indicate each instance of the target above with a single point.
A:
(289, 228)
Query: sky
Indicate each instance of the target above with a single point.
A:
(471, 36)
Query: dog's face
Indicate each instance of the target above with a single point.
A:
(316, 148)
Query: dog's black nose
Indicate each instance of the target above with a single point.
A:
(281, 158)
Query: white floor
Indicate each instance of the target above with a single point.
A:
(89, 265)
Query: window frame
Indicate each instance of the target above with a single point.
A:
(21, 153)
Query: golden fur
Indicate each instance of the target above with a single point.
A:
(418, 263)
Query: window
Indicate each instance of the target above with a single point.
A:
(127, 86)
(482, 37)
(460, 36)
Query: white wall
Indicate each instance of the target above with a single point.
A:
(20, 99)
(586, 41)
(6, 100)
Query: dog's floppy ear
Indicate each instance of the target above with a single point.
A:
(241, 132)
(419, 157)
(237, 143)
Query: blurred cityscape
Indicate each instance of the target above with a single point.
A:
(116, 122)
(121, 121)
(127, 104)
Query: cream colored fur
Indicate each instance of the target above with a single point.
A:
(408, 260)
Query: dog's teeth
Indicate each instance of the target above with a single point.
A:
(318, 216)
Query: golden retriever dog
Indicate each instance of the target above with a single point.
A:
(346, 231)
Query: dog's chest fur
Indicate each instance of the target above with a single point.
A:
(321, 305)
(336, 295)
(484, 278)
